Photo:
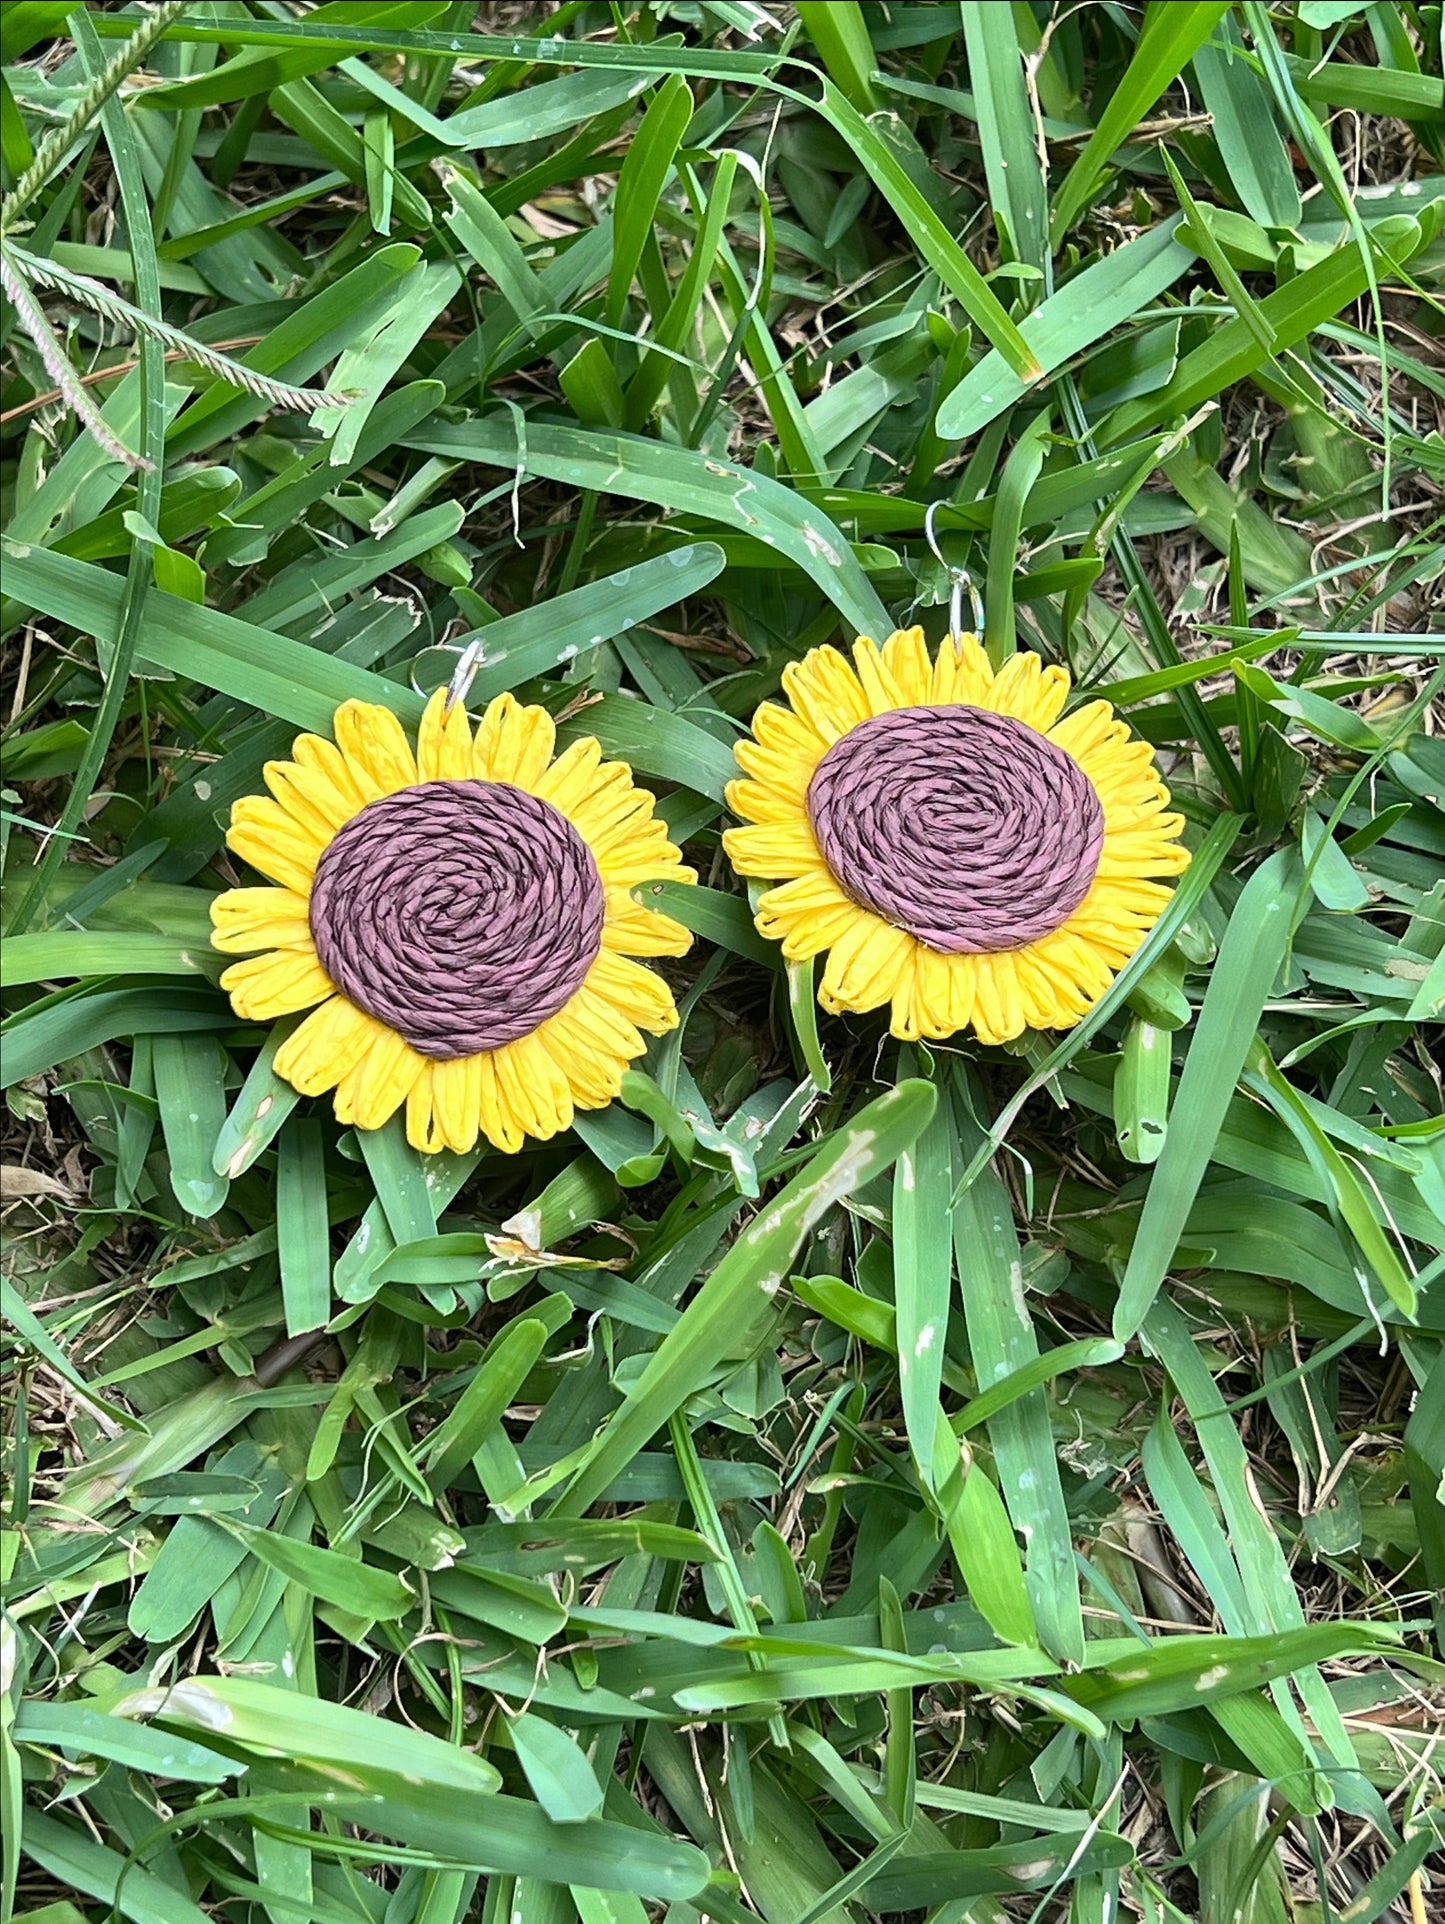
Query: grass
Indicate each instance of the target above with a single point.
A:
(399, 1545)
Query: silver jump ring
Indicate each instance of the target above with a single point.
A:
(463, 675)
(959, 579)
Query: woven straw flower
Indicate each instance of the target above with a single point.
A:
(458, 919)
(960, 852)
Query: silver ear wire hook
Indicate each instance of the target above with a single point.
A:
(463, 675)
(960, 581)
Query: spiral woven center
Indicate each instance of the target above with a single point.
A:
(461, 914)
(968, 829)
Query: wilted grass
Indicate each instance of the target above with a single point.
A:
(401, 1550)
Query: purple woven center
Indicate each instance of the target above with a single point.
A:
(461, 914)
(968, 829)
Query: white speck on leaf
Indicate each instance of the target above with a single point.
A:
(1016, 1292)
(819, 546)
(189, 1699)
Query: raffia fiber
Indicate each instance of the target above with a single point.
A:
(968, 829)
(460, 913)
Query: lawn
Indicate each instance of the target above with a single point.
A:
(976, 1464)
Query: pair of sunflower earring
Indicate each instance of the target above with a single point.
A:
(462, 918)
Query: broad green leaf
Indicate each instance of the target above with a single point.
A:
(1182, 1670)
(1244, 130)
(91, 1733)
(302, 1227)
(1003, 1340)
(191, 1094)
(922, 1279)
(556, 1769)
(266, 1720)
(1005, 129)
(1233, 352)
(1244, 973)
(334, 1577)
(939, 248)
(1083, 311)
(673, 478)
(1172, 33)
(78, 1863)
(509, 1835)
(740, 1290)
(640, 184)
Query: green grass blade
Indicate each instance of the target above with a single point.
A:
(1170, 38)
(740, 1290)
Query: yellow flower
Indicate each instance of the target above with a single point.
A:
(961, 852)
(459, 919)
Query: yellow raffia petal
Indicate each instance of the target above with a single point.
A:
(633, 929)
(643, 857)
(444, 742)
(1136, 853)
(1029, 692)
(608, 799)
(1153, 818)
(866, 965)
(1134, 804)
(806, 915)
(514, 743)
(310, 799)
(904, 1016)
(1116, 757)
(570, 779)
(1052, 998)
(1130, 893)
(325, 761)
(592, 1045)
(934, 996)
(376, 749)
(423, 1126)
(457, 1100)
(281, 983)
(371, 1092)
(784, 752)
(531, 1089)
(635, 993)
(825, 693)
(243, 920)
(803, 936)
(781, 849)
(909, 666)
(961, 673)
(326, 1046)
(632, 834)
(1086, 729)
(998, 1010)
(755, 801)
(881, 692)
(263, 834)
(497, 1122)
(942, 992)
(1071, 957)
(1112, 942)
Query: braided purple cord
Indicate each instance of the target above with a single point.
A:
(461, 914)
(968, 829)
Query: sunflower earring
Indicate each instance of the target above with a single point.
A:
(459, 920)
(958, 850)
